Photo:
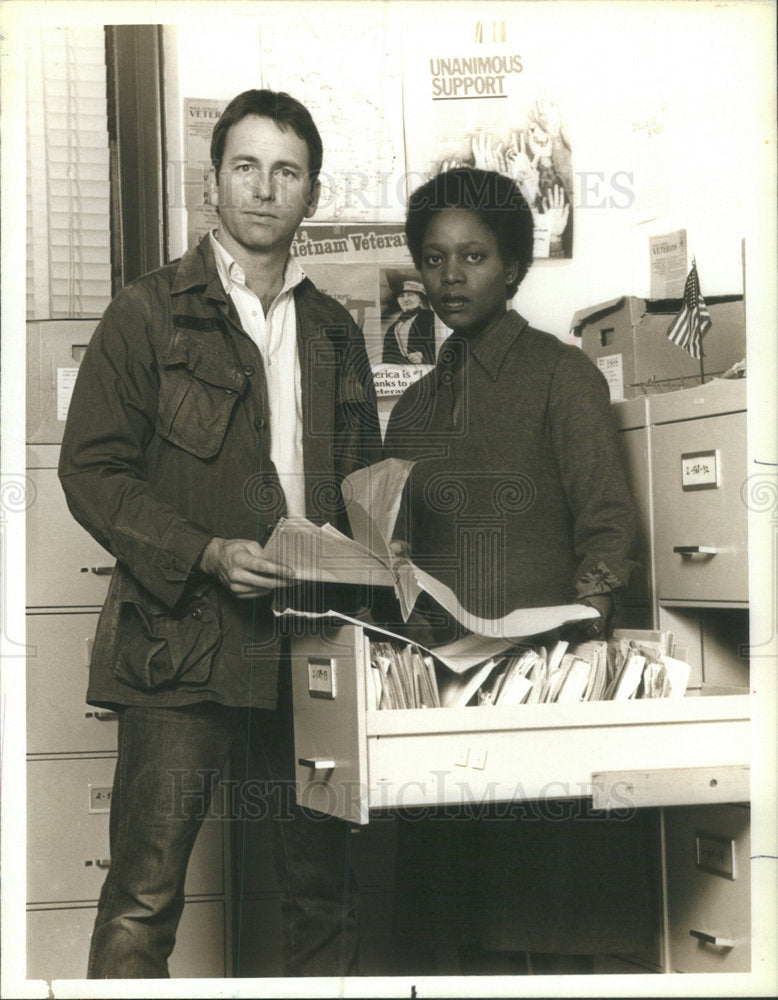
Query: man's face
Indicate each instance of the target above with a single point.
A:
(263, 191)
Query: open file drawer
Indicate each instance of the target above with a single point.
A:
(352, 758)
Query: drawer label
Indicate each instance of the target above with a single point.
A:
(700, 470)
(99, 798)
(321, 677)
(716, 855)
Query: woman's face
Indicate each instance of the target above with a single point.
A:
(408, 301)
(463, 271)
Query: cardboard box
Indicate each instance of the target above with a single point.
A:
(627, 339)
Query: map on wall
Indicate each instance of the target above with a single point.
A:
(355, 99)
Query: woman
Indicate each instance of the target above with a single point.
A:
(517, 499)
(410, 339)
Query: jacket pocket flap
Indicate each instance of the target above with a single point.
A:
(186, 351)
(160, 649)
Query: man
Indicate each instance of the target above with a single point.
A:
(218, 394)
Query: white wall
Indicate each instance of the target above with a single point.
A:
(705, 69)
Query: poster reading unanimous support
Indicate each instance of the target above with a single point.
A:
(484, 105)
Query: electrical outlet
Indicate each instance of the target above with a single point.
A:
(479, 760)
(461, 758)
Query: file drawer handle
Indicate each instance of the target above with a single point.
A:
(695, 550)
(720, 942)
(98, 863)
(101, 570)
(318, 764)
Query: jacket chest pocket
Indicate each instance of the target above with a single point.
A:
(198, 392)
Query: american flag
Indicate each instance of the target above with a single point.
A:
(693, 321)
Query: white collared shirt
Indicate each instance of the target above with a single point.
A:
(276, 337)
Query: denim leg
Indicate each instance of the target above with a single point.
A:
(311, 855)
(168, 761)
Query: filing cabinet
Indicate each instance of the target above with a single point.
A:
(699, 469)
(59, 941)
(65, 566)
(700, 528)
(54, 352)
(68, 802)
(708, 874)
(632, 420)
(71, 746)
(685, 756)
(58, 718)
(354, 758)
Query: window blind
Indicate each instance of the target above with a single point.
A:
(68, 174)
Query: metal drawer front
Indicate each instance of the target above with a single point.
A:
(68, 802)
(353, 758)
(58, 942)
(65, 565)
(700, 520)
(58, 718)
(708, 888)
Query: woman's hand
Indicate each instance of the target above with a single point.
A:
(591, 628)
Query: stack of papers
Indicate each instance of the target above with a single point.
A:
(403, 677)
(617, 670)
(372, 497)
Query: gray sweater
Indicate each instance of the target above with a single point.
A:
(518, 498)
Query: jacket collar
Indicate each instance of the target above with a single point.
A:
(197, 269)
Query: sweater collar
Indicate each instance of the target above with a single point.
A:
(491, 346)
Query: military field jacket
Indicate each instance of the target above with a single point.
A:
(167, 445)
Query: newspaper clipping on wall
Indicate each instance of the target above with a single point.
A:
(383, 292)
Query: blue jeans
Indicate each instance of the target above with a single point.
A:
(167, 762)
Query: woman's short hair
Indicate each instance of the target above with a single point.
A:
(285, 111)
(497, 200)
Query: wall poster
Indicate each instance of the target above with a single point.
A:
(482, 105)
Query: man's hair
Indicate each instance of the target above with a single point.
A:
(285, 111)
(497, 200)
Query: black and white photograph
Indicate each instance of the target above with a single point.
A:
(388, 498)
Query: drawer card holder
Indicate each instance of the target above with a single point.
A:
(99, 798)
(700, 470)
(321, 677)
(716, 855)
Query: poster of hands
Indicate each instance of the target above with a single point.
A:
(477, 107)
